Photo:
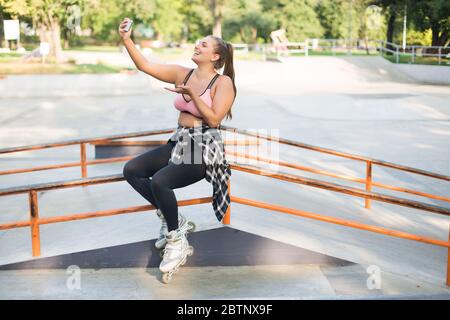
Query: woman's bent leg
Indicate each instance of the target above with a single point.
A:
(171, 177)
(138, 170)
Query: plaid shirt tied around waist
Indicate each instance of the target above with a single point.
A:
(218, 170)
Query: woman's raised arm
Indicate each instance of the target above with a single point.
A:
(164, 72)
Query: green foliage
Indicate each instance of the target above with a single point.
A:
(299, 19)
(168, 11)
(245, 20)
(15, 8)
(104, 16)
(434, 15)
(334, 17)
(419, 38)
(197, 20)
(249, 21)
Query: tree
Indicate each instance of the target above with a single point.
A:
(391, 9)
(103, 16)
(217, 7)
(434, 15)
(244, 20)
(342, 18)
(333, 15)
(197, 20)
(430, 14)
(167, 20)
(47, 17)
(299, 19)
(11, 9)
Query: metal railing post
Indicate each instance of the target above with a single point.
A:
(396, 55)
(83, 160)
(368, 181)
(34, 224)
(306, 48)
(226, 217)
(439, 55)
(413, 54)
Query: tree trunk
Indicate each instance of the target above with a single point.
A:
(185, 36)
(254, 34)
(55, 32)
(52, 34)
(438, 39)
(217, 29)
(390, 27)
(217, 9)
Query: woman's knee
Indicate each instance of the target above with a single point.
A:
(129, 170)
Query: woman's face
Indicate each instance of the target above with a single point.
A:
(204, 51)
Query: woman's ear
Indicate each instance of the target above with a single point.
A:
(216, 57)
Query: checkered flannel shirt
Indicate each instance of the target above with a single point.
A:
(218, 170)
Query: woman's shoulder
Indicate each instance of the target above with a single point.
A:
(183, 72)
(223, 79)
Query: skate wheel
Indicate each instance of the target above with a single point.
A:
(191, 226)
(190, 251)
(166, 277)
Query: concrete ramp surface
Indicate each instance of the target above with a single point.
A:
(227, 264)
(359, 105)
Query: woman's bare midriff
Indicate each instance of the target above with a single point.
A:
(186, 119)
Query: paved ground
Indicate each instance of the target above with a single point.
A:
(353, 104)
(241, 265)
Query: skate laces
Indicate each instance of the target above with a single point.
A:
(181, 219)
(175, 239)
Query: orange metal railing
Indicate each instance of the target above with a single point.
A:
(34, 222)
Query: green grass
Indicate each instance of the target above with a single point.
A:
(406, 59)
(95, 48)
(329, 53)
(10, 57)
(50, 68)
(93, 68)
(249, 56)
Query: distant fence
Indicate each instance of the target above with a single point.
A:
(396, 53)
(413, 54)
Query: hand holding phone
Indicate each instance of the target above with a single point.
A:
(125, 28)
(128, 25)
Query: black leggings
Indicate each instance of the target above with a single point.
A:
(165, 177)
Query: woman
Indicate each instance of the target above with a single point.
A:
(195, 151)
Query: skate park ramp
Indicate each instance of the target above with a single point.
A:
(356, 104)
(227, 264)
(354, 70)
(216, 247)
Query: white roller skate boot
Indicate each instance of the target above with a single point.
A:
(161, 241)
(175, 253)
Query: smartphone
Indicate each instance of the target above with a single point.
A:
(128, 25)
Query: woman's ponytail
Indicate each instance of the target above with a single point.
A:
(225, 50)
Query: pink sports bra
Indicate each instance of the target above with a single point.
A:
(182, 104)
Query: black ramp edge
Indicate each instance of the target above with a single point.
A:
(224, 246)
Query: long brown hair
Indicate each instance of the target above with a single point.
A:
(225, 50)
